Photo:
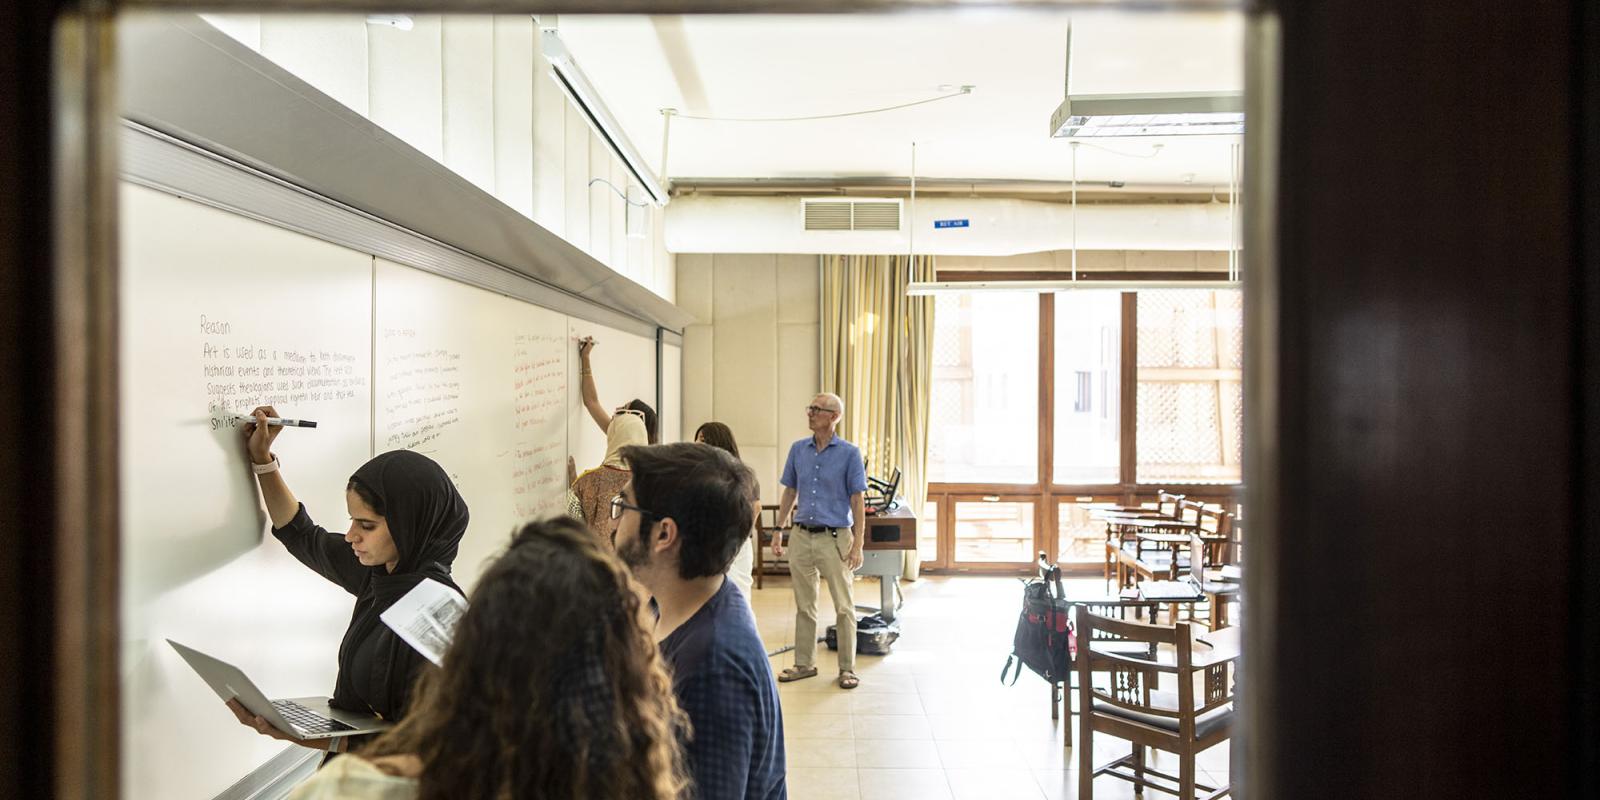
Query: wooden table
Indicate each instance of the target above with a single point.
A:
(1216, 646)
(1207, 648)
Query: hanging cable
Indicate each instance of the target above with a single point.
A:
(1233, 211)
(1074, 211)
(965, 90)
(1232, 255)
(1238, 224)
(1155, 150)
(666, 138)
(911, 229)
(624, 195)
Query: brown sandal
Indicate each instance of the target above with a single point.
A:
(796, 673)
(848, 680)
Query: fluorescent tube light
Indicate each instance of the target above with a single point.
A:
(1151, 125)
(1176, 114)
(926, 288)
(567, 75)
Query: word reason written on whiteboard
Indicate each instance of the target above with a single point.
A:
(424, 398)
(539, 391)
(241, 374)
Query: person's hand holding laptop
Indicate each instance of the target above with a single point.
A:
(306, 721)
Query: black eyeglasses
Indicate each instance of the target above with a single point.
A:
(617, 507)
(819, 410)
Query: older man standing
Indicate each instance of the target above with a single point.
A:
(825, 473)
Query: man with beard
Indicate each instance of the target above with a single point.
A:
(680, 521)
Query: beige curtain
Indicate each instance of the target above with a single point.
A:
(877, 355)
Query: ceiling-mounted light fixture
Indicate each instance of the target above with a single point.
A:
(1175, 114)
(400, 21)
(1144, 114)
(586, 99)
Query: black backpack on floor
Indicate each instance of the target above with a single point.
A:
(1044, 638)
(874, 635)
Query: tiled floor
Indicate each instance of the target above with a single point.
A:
(932, 720)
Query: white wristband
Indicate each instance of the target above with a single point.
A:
(262, 469)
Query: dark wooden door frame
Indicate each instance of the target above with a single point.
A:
(1422, 310)
(59, 700)
(1585, 750)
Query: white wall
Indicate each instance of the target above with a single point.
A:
(751, 361)
(472, 92)
(999, 227)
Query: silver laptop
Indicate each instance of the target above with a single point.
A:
(1182, 589)
(1189, 584)
(305, 717)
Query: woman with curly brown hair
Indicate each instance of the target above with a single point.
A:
(539, 696)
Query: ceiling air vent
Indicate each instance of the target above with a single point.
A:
(851, 215)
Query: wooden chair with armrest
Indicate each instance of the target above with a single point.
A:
(766, 528)
(1219, 592)
(1150, 548)
(1212, 543)
(1132, 705)
(1118, 533)
(1193, 553)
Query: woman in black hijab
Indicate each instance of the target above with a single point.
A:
(406, 521)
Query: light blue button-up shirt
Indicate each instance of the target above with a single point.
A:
(824, 481)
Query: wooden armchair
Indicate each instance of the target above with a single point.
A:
(1150, 548)
(1120, 529)
(766, 528)
(1220, 593)
(1133, 706)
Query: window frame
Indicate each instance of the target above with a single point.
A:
(1045, 493)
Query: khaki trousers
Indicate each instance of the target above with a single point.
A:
(822, 554)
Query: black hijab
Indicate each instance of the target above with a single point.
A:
(427, 518)
(425, 513)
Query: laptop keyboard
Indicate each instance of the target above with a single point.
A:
(308, 721)
(1168, 590)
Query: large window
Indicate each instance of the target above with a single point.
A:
(984, 425)
(1088, 341)
(1190, 403)
(1045, 404)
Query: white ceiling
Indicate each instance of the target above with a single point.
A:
(768, 66)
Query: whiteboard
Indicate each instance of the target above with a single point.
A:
(624, 369)
(222, 313)
(477, 382)
(672, 393)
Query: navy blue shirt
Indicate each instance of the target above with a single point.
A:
(824, 481)
(724, 683)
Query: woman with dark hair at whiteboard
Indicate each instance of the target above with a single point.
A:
(597, 410)
(406, 521)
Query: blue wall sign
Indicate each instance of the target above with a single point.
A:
(950, 223)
